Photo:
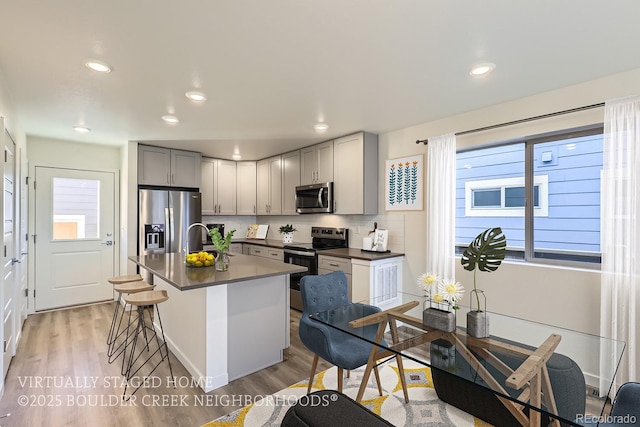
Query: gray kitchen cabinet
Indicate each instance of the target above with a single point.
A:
(218, 186)
(327, 264)
(355, 171)
(269, 184)
(246, 188)
(266, 252)
(290, 180)
(316, 163)
(167, 167)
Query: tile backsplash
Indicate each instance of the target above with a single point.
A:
(359, 226)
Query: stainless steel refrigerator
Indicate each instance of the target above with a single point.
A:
(163, 219)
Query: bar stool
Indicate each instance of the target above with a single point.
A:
(141, 301)
(113, 350)
(118, 280)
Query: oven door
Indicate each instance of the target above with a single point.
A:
(305, 259)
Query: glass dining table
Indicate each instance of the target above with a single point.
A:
(525, 373)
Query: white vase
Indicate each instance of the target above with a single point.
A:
(287, 237)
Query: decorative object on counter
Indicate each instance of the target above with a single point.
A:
(377, 240)
(257, 231)
(442, 296)
(200, 259)
(287, 233)
(485, 253)
(222, 245)
(404, 183)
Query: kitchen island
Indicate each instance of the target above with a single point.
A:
(223, 325)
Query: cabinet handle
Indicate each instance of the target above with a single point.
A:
(254, 208)
(168, 179)
(173, 181)
(274, 253)
(333, 264)
(335, 206)
(257, 251)
(219, 208)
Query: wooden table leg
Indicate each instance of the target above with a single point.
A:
(395, 340)
(372, 360)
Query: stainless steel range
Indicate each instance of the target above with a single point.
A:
(306, 254)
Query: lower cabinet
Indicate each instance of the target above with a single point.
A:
(266, 252)
(327, 264)
(235, 248)
(378, 281)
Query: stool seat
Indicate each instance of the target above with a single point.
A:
(133, 287)
(147, 298)
(124, 279)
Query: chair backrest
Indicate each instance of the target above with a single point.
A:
(324, 292)
(627, 401)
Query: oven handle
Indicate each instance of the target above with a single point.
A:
(301, 253)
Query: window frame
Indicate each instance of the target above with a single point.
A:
(541, 181)
(589, 261)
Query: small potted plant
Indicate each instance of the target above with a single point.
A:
(287, 233)
(222, 245)
(485, 253)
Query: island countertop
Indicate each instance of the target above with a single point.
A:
(171, 268)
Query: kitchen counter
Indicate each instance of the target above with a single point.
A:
(223, 325)
(353, 253)
(172, 269)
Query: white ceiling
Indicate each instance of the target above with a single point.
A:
(272, 69)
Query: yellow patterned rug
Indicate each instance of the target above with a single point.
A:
(424, 408)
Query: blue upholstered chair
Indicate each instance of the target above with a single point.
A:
(325, 292)
(625, 410)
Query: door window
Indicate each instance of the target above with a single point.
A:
(76, 207)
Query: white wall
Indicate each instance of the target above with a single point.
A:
(560, 296)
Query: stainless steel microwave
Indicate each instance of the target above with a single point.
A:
(314, 198)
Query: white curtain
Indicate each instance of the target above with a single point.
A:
(620, 233)
(441, 205)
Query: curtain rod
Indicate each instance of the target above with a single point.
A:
(516, 122)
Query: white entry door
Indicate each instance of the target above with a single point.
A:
(74, 242)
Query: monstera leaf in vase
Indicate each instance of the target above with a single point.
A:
(485, 253)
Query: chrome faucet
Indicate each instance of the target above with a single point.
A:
(189, 230)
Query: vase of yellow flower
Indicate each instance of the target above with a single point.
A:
(442, 295)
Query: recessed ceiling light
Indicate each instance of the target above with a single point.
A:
(196, 96)
(482, 69)
(236, 157)
(170, 119)
(321, 127)
(98, 66)
(81, 129)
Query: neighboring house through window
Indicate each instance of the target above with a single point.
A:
(563, 182)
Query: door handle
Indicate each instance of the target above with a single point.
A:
(108, 243)
(15, 260)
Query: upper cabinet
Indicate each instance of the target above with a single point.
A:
(355, 167)
(290, 180)
(246, 188)
(269, 184)
(316, 163)
(167, 167)
(218, 187)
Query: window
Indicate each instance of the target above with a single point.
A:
(560, 174)
(504, 197)
(76, 203)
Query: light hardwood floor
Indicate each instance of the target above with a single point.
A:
(60, 377)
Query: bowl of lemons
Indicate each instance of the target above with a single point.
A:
(199, 260)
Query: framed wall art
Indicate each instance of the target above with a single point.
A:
(404, 181)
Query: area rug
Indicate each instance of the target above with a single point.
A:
(424, 408)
